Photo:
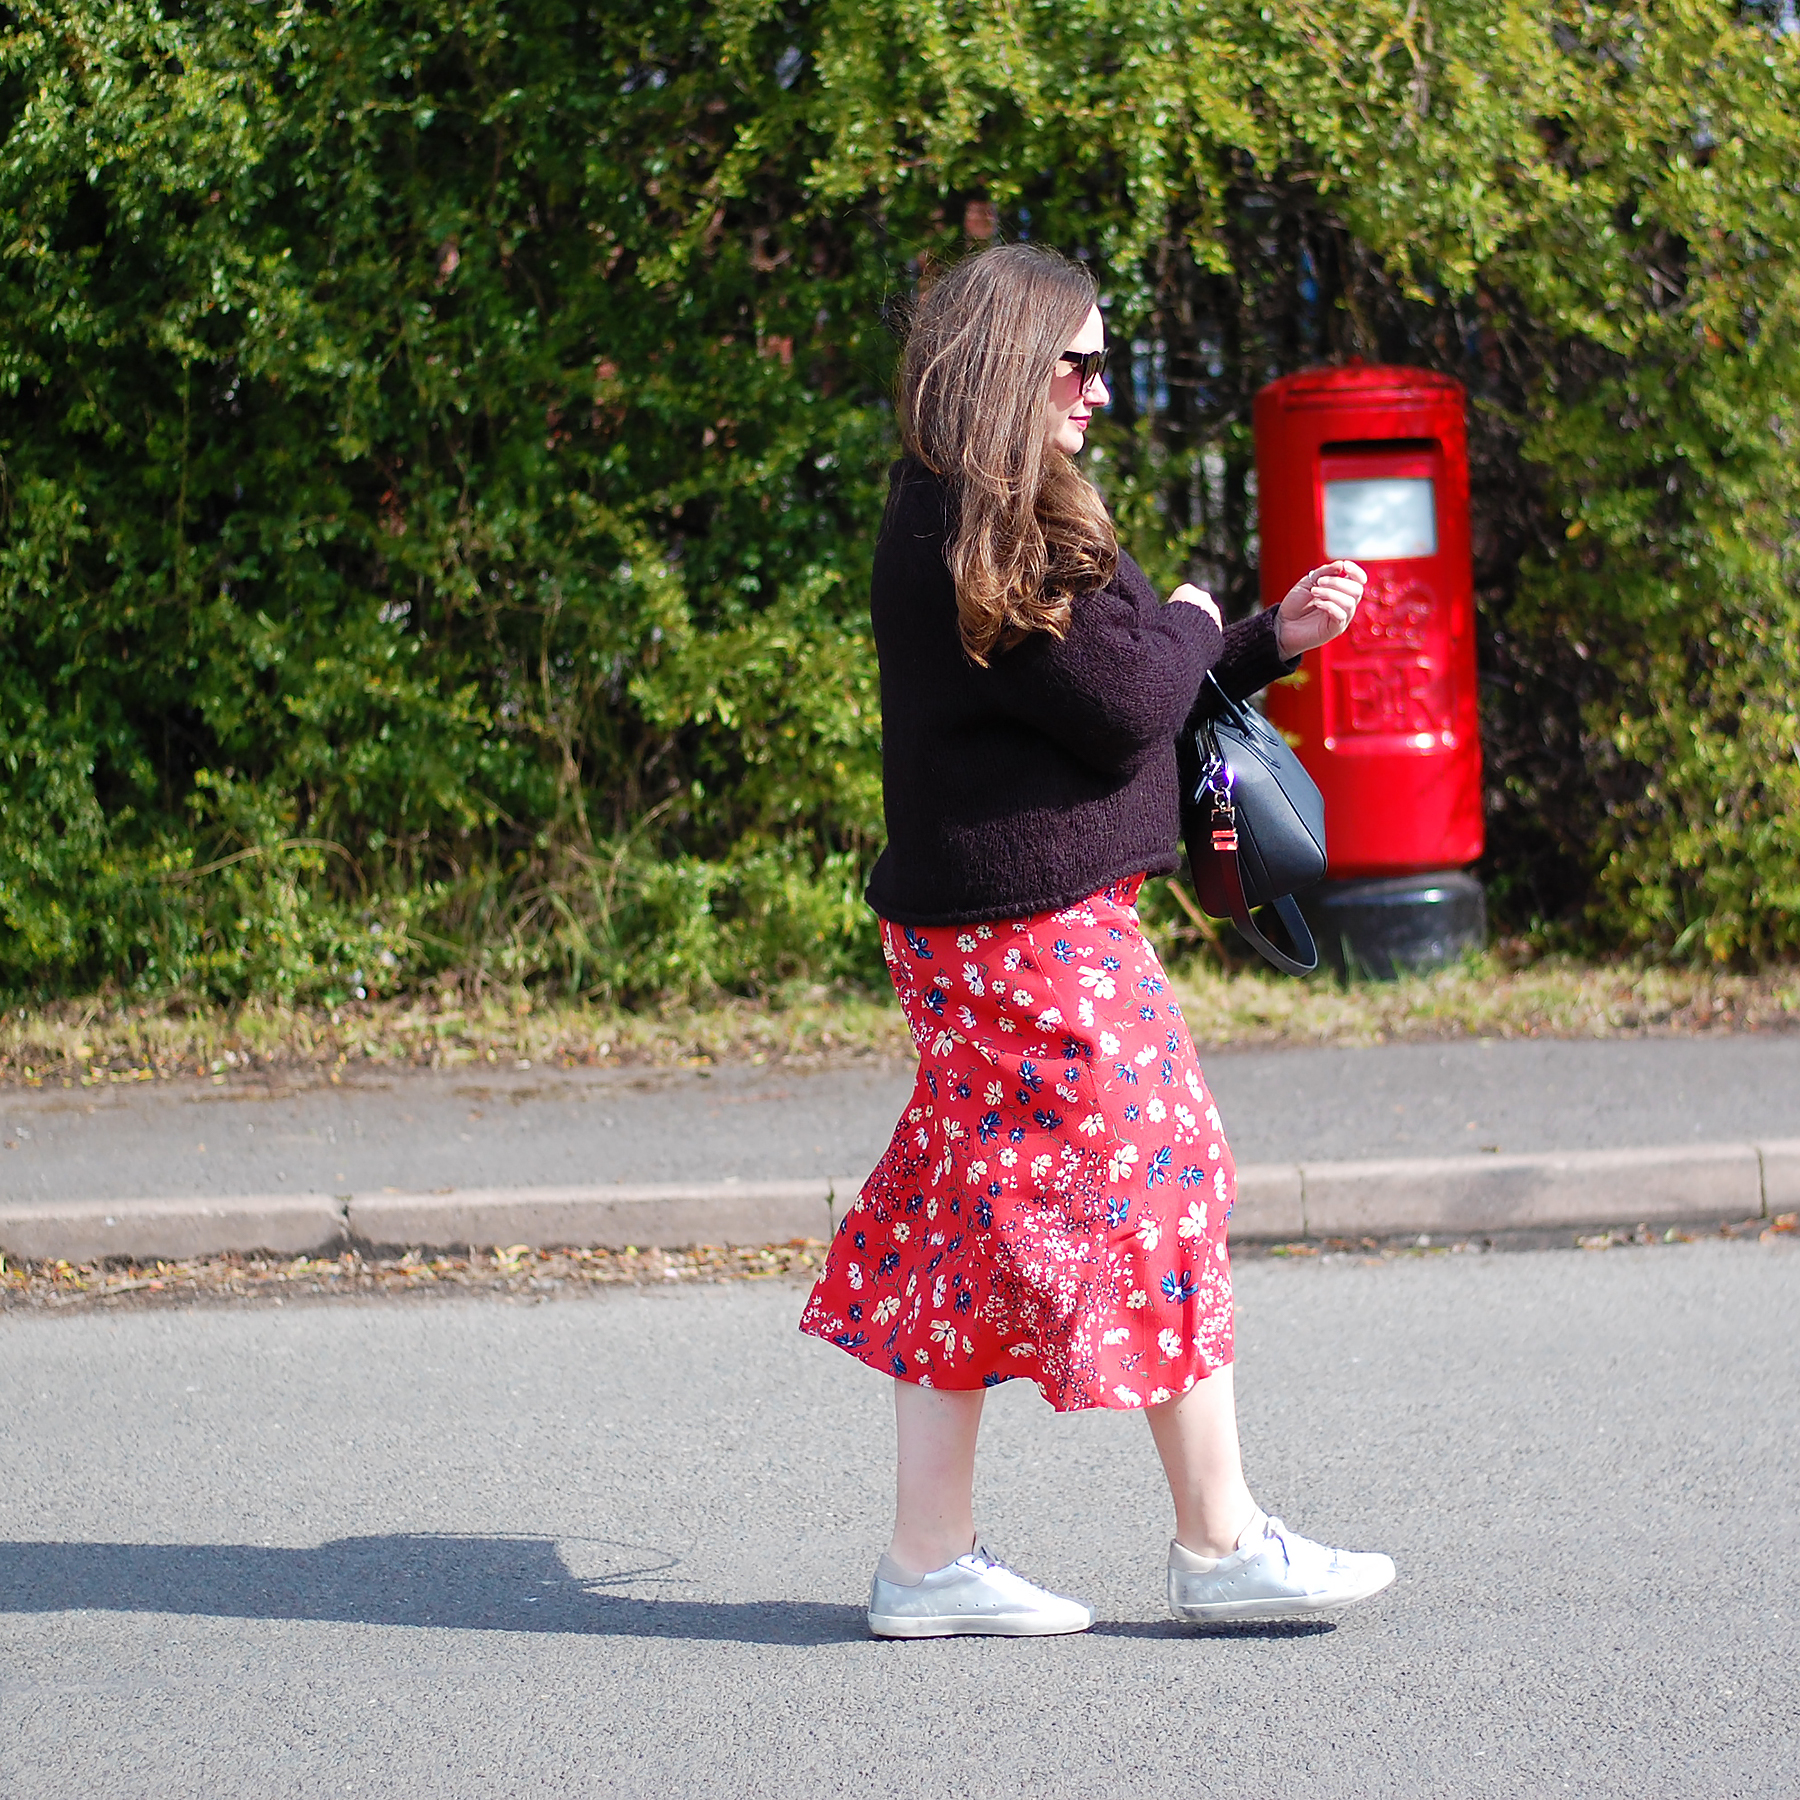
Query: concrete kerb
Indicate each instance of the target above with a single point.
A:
(1439, 1196)
(171, 1230)
(1468, 1195)
(722, 1212)
(1781, 1176)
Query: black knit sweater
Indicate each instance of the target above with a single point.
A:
(1030, 784)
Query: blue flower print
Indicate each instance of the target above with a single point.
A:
(917, 943)
(993, 1189)
(1110, 964)
(1063, 950)
(989, 1127)
(960, 1089)
(853, 1340)
(1131, 1115)
(1029, 1075)
(1168, 1073)
(855, 1310)
(1126, 1073)
(1074, 1049)
(984, 1214)
(1148, 984)
(1117, 1211)
(1114, 932)
(935, 1001)
(898, 1365)
(931, 1082)
(1192, 1175)
(1147, 1014)
(1171, 1044)
(915, 1204)
(889, 1263)
(992, 1378)
(1046, 1120)
(1157, 1170)
(861, 1240)
(1016, 1135)
(1180, 1288)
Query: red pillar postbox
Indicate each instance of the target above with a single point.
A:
(1371, 463)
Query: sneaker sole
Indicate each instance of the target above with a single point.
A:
(998, 1625)
(1220, 1612)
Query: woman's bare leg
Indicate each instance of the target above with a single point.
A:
(934, 1485)
(1197, 1439)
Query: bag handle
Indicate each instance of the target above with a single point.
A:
(1221, 703)
(1225, 844)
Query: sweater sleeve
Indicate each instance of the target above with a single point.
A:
(1250, 660)
(1119, 684)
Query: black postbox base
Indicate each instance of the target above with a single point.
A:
(1398, 924)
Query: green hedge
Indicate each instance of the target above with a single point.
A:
(440, 443)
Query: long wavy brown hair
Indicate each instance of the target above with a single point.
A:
(1028, 533)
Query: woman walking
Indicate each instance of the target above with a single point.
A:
(1053, 1204)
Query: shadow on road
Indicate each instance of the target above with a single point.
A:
(448, 1583)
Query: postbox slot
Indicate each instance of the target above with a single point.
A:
(1387, 446)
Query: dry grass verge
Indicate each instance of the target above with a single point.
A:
(517, 1270)
(112, 1039)
(1488, 997)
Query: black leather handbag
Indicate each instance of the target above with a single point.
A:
(1254, 822)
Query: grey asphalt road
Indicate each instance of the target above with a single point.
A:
(617, 1546)
(511, 1128)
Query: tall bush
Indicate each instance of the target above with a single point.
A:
(440, 442)
(419, 552)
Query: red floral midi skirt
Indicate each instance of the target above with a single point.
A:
(1053, 1202)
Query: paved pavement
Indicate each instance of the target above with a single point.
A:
(519, 1128)
(616, 1546)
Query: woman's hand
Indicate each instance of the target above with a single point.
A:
(1189, 595)
(1319, 607)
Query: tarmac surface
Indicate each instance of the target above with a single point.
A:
(619, 1545)
(519, 1128)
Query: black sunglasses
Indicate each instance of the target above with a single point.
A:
(1088, 364)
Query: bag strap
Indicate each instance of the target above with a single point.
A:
(1225, 844)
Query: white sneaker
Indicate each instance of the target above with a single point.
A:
(975, 1595)
(1273, 1573)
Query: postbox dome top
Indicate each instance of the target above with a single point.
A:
(1358, 382)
